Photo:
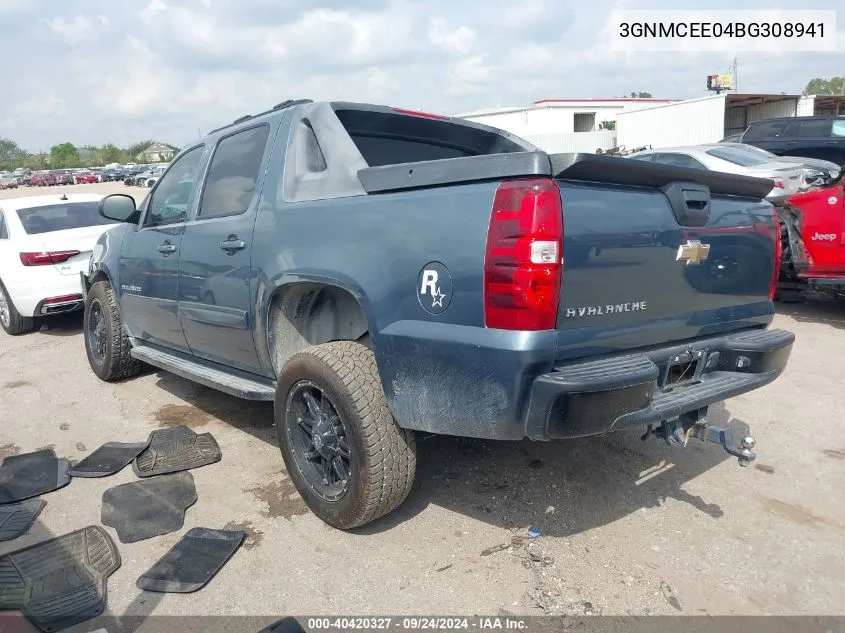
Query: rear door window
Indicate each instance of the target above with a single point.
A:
(763, 130)
(233, 174)
(4, 232)
(814, 128)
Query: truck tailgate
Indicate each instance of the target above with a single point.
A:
(637, 272)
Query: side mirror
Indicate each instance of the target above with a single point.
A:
(119, 207)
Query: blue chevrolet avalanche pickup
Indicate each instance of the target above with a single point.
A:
(377, 272)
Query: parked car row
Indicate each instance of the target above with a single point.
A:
(47, 178)
(146, 178)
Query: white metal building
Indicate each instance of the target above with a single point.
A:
(561, 125)
(557, 116)
(704, 120)
(575, 125)
(821, 104)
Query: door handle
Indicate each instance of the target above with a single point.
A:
(166, 248)
(232, 244)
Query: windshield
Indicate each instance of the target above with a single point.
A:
(59, 217)
(738, 156)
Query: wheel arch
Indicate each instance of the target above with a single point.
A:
(311, 310)
(98, 274)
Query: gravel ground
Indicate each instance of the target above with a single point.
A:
(628, 527)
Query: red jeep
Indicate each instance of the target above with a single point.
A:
(813, 240)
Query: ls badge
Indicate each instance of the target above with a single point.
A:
(693, 252)
(434, 288)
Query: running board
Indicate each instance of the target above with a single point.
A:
(233, 384)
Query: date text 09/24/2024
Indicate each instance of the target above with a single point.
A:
(416, 623)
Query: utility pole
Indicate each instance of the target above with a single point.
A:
(736, 76)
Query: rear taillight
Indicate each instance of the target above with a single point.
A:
(779, 184)
(522, 265)
(773, 284)
(46, 259)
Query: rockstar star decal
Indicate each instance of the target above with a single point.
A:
(437, 299)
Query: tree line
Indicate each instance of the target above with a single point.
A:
(819, 86)
(67, 155)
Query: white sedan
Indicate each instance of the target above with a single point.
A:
(732, 158)
(45, 242)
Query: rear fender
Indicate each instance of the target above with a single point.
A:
(105, 258)
(309, 317)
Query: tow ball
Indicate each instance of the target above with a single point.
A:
(679, 432)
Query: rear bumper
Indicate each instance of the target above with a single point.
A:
(630, 391)
(59, 305)
(47, 295)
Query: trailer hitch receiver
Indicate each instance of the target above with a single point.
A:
(679, 432)
(720, 435)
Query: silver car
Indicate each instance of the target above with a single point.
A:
(8, 181)
(789, 177)
(815, 167)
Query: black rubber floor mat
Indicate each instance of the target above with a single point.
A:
(32, 474)
(172, 450)
(107, 460)
(142, 509)
(60, 582)
(17, 518)
(192, 562)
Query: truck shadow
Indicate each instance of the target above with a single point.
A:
(209, 405)
(590, 481)
(828, 311)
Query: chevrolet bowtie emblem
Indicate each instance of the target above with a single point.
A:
(693, 252)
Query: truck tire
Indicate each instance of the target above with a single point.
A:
(12, 322)
(345, 454)
(106, 343)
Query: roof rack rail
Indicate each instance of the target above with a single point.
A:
(288, 103)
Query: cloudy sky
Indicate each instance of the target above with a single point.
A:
(96, 71)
